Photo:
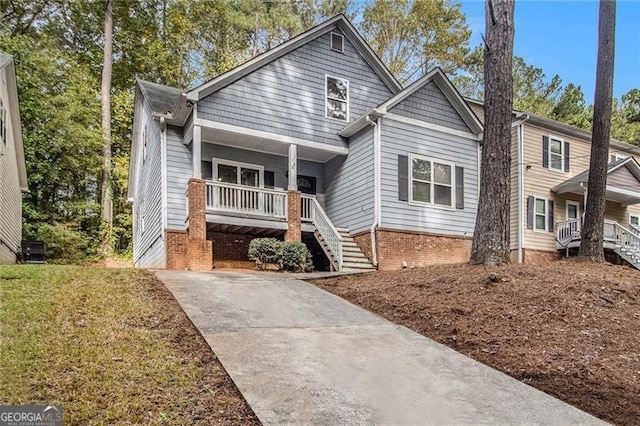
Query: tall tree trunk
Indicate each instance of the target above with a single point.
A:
(491, 236)
(105, 104)
(592, 244)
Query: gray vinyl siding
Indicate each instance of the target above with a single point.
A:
(403, 139)
(287, 96)
(10, 194)
(148, 198)
(274, 163)
(431, 105)
(349, 181)
(179, 171)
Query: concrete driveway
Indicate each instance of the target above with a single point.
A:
(300, 355)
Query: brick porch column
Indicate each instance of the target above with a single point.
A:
(199, 249)
(294, 207)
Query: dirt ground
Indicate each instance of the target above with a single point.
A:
(566, 328)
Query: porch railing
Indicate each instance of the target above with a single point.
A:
(313, 212)
(613, 232)
(568, 231)
(622, 236)
(247, 200)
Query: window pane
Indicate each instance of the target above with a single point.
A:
(541, 206)
(442, 195)
(249, 177)
(227, 174)
(556, 162)
(634, 220)
(540, 222)
(421, 192)
(572, 211)
(421, 169)
(336, 109)
(337, 88)
(442, 173)
(555, 147)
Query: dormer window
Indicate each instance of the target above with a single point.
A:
(337, 98)
(337, 42)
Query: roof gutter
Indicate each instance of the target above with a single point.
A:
(520, 119)
(376, 187)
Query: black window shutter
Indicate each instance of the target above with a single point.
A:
(530, 206)
(550, 215)
(403, 178)
(567, 156)
(545, 152)
(459, 187)
(268, 179)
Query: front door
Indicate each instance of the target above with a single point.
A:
(307, 184)
(573, 213)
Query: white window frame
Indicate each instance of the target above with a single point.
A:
(331, 42)
(237, 164)
(432, 182)
(572, 203)
(327, 97)
(546, 214)
(557, 139)
(636, 217)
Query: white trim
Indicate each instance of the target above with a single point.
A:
(432, 126)
(566, 209)
(262, 151)
(327, 98)
(271, 136)
(331, 41)
(546, 214)
(196, 152)
(432, 183)
(163, 161)
(217, 161)
(562, 142)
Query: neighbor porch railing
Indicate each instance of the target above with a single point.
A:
(247, 200)
(568, 231)
(613, 232)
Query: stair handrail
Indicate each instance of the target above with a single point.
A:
(625, 237)
(328, 232)
(635, 229)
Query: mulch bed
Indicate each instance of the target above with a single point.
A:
(213, 398)
(569, 329)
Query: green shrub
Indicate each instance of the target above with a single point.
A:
(295, 257)
(264, 251)
(66, 244)
(287, 256)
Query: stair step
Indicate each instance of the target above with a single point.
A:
(355, 260)
(350, 265)
(341, 230)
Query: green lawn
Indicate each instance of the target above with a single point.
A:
(110, 345)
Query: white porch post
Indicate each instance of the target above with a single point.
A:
(197, 152)
(293, 167)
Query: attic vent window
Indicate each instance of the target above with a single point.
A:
(337, 42)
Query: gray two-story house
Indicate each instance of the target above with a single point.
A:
(312, 141)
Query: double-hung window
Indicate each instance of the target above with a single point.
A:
(540, 214)
(337, 98)
(432, 181)
(556, 154)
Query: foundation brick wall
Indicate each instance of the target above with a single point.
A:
(536, 257)
(418, 249)
(294, 207)
(230, 247)
(190, 249)
(363, 240)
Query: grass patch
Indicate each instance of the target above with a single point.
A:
(110, 345)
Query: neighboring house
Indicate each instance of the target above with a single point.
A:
(313, 140)
(549, 177)
(13, 174)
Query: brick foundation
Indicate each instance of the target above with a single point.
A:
(190, 249)
(294, 207)
(536, 257)
(418, 249)
(363, 240)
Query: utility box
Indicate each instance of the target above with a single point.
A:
(33, 251)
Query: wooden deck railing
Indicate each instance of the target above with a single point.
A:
(246, 200)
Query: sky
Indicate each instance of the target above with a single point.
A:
(561, 37)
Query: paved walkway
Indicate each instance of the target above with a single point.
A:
(300, 355)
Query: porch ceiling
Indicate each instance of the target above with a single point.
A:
(269, 146)
(623, 196)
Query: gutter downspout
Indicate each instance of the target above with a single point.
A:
(520, 137)
(376, 187)
(163, 162)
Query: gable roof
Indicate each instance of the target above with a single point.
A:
(162, 99)
(440, 79)
(7, 66)
(339, 21)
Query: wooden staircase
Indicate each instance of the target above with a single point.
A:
(353, 259)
